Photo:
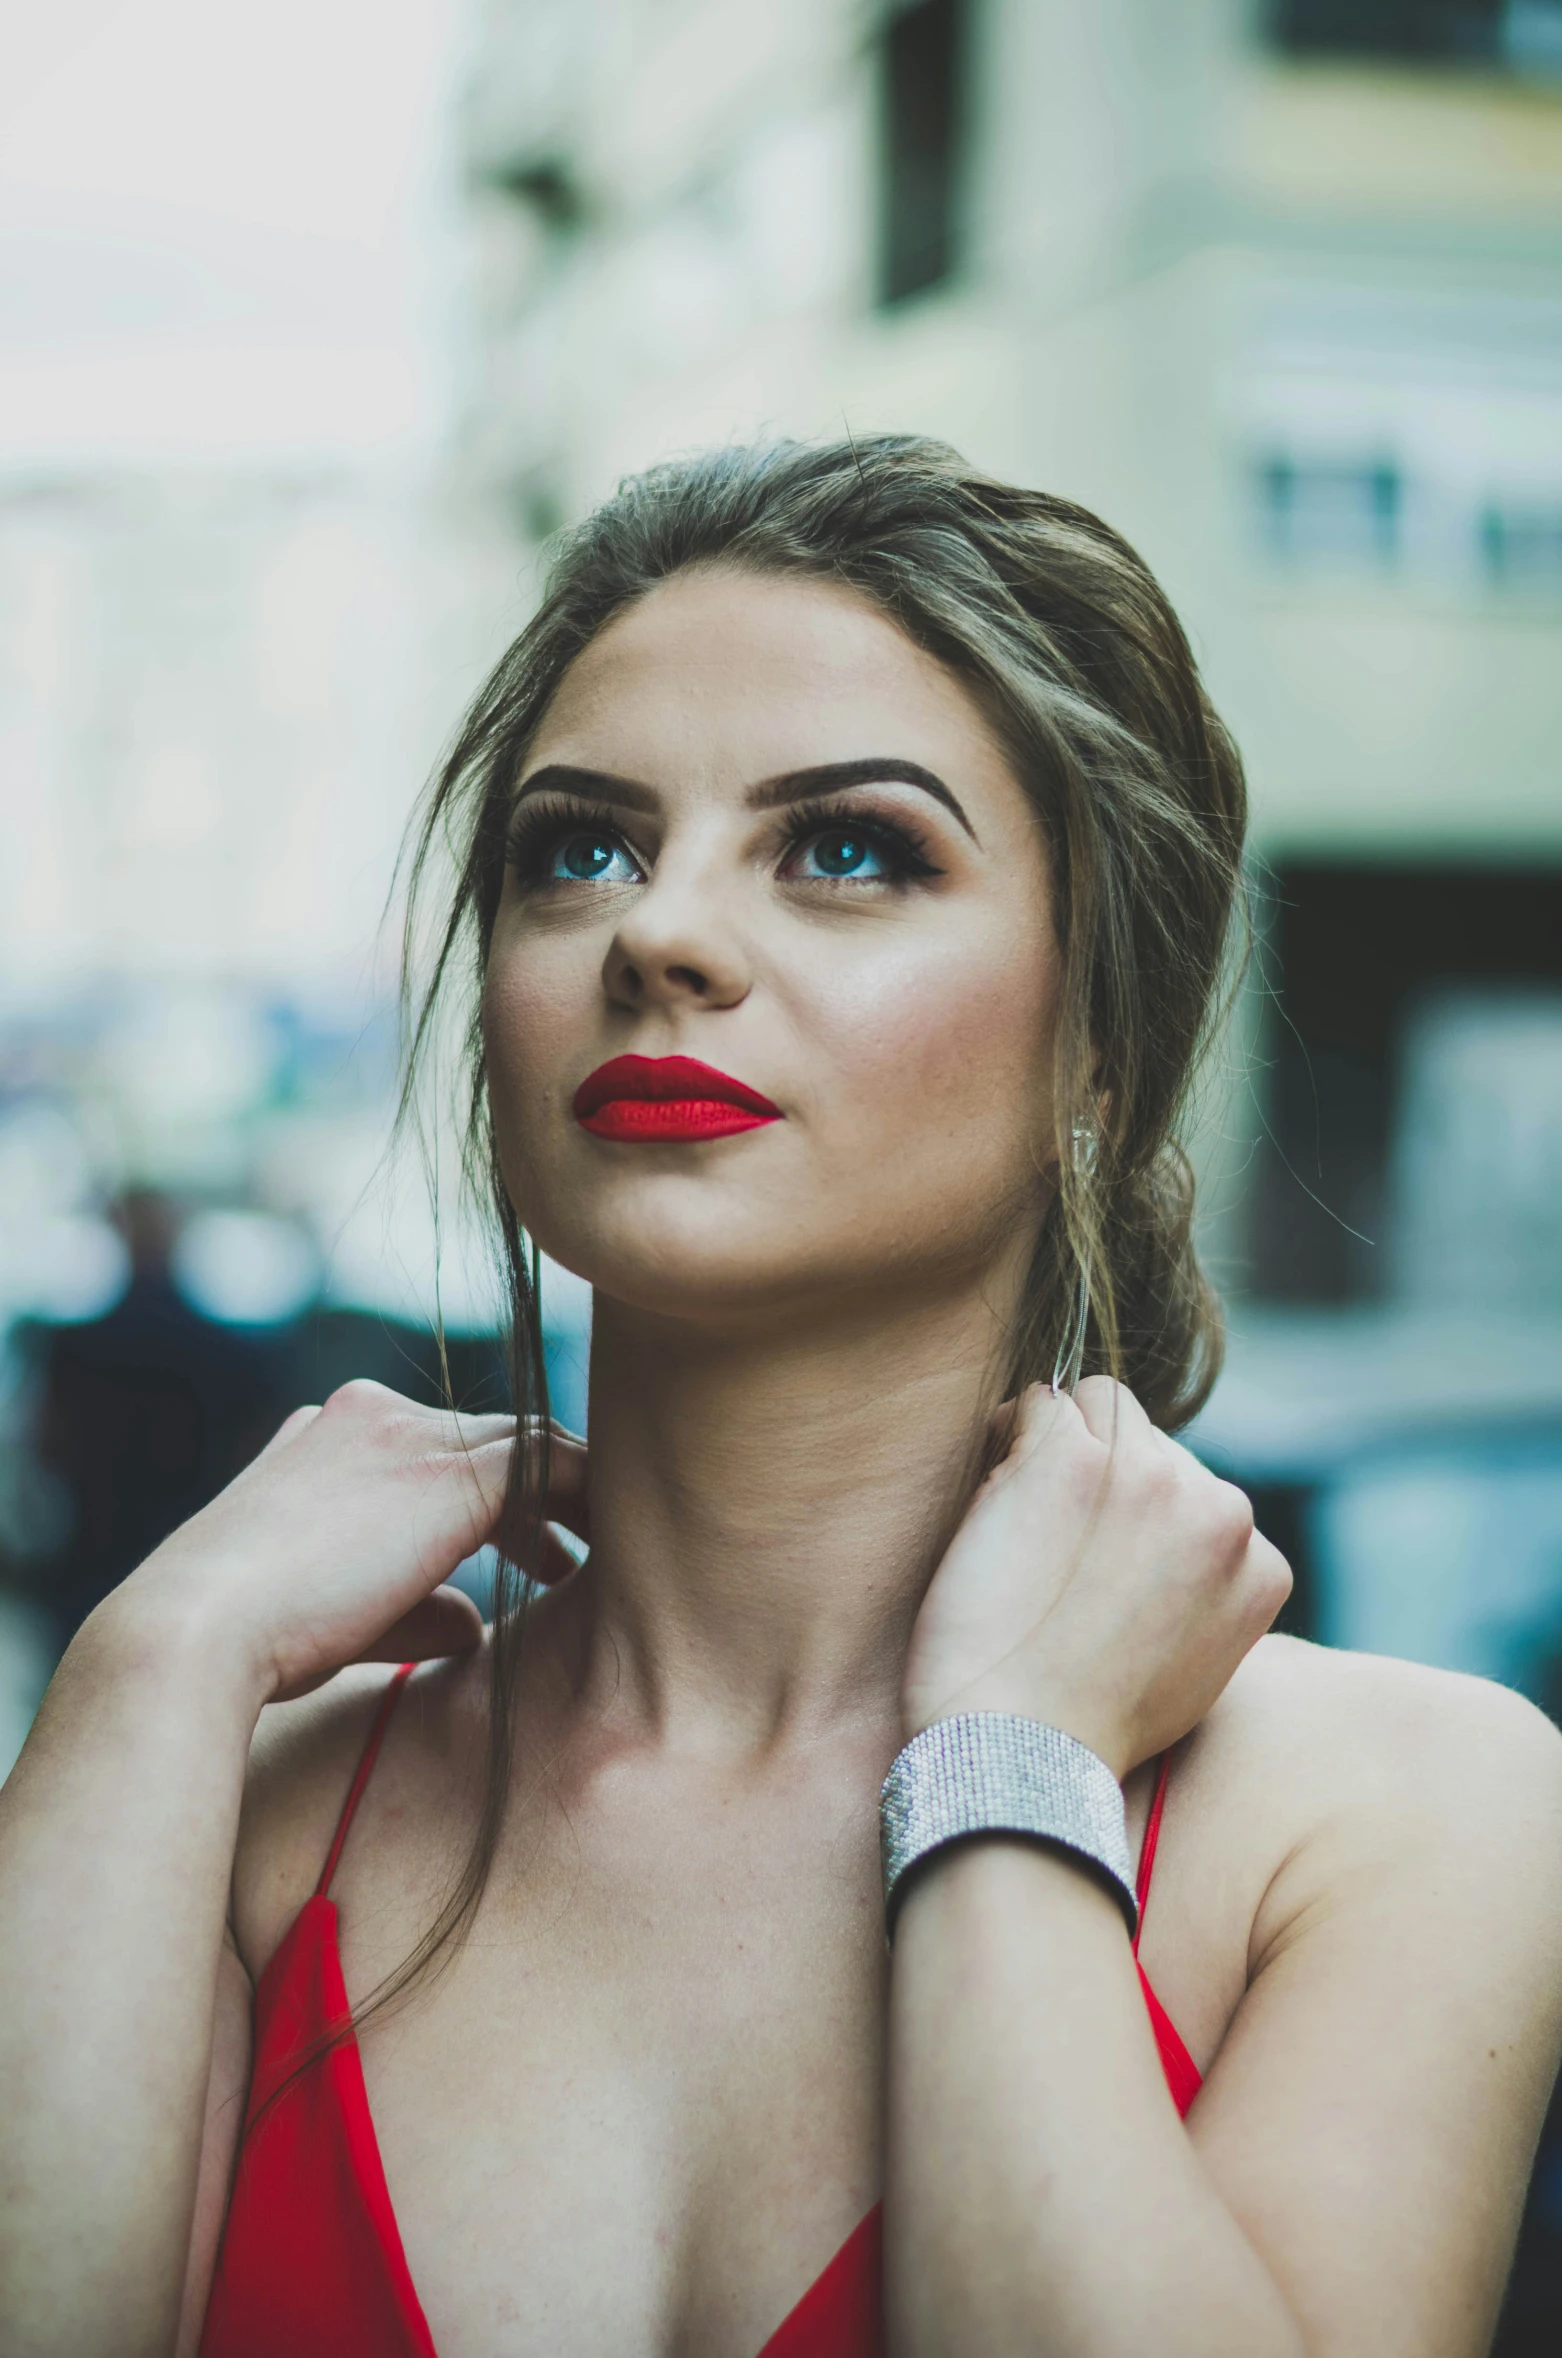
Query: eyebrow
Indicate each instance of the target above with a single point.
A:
(796, 785)
(830, 777)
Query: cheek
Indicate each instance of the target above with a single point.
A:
(542, 984)
(942, 1058)
(536, 998)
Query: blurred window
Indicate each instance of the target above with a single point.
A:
(1331, 511)
(1475, 1191)
(548, 190)
(922, 55)
(1389, 984)
(1523, 36)
(1521, 547)
(1446, 1547)
(1415, 435)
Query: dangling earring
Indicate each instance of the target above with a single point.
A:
(1071, 1350)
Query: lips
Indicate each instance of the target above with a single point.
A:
(660, 1100)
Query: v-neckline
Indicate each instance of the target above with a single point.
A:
(340, 2280)
(848, 2282)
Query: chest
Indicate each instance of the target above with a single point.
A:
(640, 2110)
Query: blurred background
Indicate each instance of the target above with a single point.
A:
(315, 323)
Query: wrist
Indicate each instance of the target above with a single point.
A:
(986, 1773)
(146, 1630)
(987, 1875)
(1023, 1695)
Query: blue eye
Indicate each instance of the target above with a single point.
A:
(844, 852)
(591, 859)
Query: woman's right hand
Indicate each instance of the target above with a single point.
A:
(1102, 1580)
(124, 2009)
(332, 1545)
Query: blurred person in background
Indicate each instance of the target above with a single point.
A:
(144, 1413)
(847, 854)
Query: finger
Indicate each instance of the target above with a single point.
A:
(547, 1559)
(1110, 1411)
(473, 1437)
(567, 1464)
(469, 1431)
(557, 1432)
(556, 1561)
(445, 1622)
(483, 1466)
(1038, 1414)
(516, 1516)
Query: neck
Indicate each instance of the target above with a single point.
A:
(766, 1514)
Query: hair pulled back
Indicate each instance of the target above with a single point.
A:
(1060, 631)
(1064, 636)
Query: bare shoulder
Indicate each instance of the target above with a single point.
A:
(1354, 1762)
(1363, 1728)
(1347, 1807)
(302, 1763)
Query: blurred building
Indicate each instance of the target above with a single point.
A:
(241, 607)
(1279, 290)
(221, 689)
(220, 692)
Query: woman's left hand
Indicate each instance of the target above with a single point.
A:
(1102, 1581)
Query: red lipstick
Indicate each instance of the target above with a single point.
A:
(661, 1100)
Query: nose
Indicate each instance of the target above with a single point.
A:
(676, 948)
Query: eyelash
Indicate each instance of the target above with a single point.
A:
(907, 849)
(539, 827)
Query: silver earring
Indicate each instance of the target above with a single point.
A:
(1071, 1350)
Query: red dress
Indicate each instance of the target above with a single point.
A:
(311, 2263)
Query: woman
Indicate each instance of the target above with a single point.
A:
(845, 860)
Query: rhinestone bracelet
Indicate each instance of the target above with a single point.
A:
(989, 1772)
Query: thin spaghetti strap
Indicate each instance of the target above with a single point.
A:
(371, 1752)
(1152, 1836)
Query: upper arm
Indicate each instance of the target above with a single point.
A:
(227, 2095)
(1372, 2115)
(300, 1764)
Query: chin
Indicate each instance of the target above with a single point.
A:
(722, 1271)
(729, 1249)
(753, 1271)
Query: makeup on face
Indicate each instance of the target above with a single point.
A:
(705, 833)
(667, 1100)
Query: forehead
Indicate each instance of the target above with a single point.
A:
(718, 677)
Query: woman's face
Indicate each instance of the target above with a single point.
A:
(759, 829)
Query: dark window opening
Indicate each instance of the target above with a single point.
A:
(1519, 36)
(548, 189)
(922, 59)
(1353, 954)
